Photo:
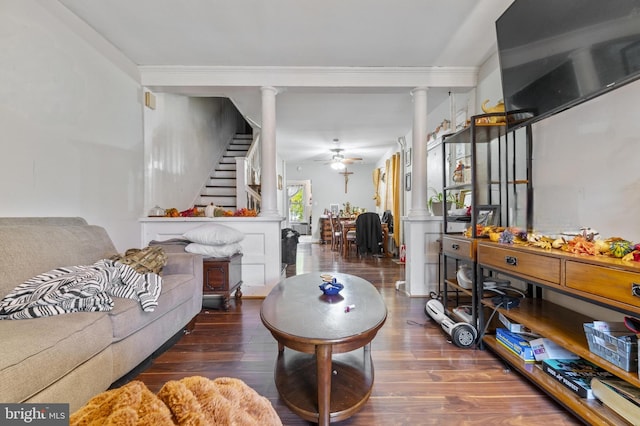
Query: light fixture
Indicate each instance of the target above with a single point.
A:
(336, 161)
(337, 165)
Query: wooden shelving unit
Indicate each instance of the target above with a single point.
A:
(561, 273)
(500, 175)
(496, 173)
(590, 410)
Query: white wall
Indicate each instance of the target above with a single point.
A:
(462, 101)
(585, 169)
(184, 139)
(489, 84)
(281, 195)
(71, 114)
(327, 187)
(585, 163)
(71, 123)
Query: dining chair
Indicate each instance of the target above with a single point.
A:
(368, 235)
(336, 233)
(350, 241)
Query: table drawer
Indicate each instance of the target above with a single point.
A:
(606, 282)
(536, 266)
(459, 247)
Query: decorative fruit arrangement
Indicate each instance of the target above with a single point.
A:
(244, 212)
(585, 243)
(172, 212)
(218, 212)
(192, 212)
(634, 254)
(620, 248)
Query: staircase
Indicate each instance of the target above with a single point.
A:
(221, 188)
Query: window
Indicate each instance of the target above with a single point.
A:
(296, 203)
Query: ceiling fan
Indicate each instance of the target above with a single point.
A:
(338, 160)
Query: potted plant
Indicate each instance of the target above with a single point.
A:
(435, 202)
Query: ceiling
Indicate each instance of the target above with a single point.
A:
(344, 69)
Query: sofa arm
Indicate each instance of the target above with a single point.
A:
(183, 263)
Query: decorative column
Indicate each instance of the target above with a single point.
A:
(268, 179)
(421, 231)
(419, 153)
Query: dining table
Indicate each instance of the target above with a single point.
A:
(350, 225)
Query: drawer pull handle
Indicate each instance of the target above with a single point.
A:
(455, 246)
(635, 289)
(511, 260)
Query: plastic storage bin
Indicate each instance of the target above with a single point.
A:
(619, 346)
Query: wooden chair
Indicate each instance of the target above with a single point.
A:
(350, 240)
(336, 233)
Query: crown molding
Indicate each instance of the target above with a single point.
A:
(222, 76)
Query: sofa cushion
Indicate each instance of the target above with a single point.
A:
(38, 352)
(48, 221)
(36, 249)
(127, 317)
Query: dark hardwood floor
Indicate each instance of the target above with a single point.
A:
(420, 377)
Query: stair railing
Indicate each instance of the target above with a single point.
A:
(248, 177)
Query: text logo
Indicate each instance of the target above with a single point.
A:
(34, 414)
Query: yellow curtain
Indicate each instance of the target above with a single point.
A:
(393, 190)
(387, 179)
(397, 189)
(376, 186)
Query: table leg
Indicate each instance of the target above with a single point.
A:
(385, 241)
(345, 245)
(323, 365)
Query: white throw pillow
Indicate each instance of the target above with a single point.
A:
(214, 235)
(214, 251)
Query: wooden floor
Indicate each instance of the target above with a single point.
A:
(420, 377)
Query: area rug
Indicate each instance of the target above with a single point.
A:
(192, 401)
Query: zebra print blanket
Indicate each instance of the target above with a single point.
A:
(86, 288)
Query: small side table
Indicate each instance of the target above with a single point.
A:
(222, 276)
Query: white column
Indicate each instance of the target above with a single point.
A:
(421, 231)
(268, 181)
(419, 153)
(423, 251)
(585, 70)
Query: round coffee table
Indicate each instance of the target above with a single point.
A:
(327, 376)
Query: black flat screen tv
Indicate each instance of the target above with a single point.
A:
(555, 54)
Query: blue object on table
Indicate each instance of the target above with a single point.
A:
(331, 288)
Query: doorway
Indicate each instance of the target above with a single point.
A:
(299, 205)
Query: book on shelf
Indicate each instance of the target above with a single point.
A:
(575, 374)
(619, 396)
(544, 348)
(517, 343)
